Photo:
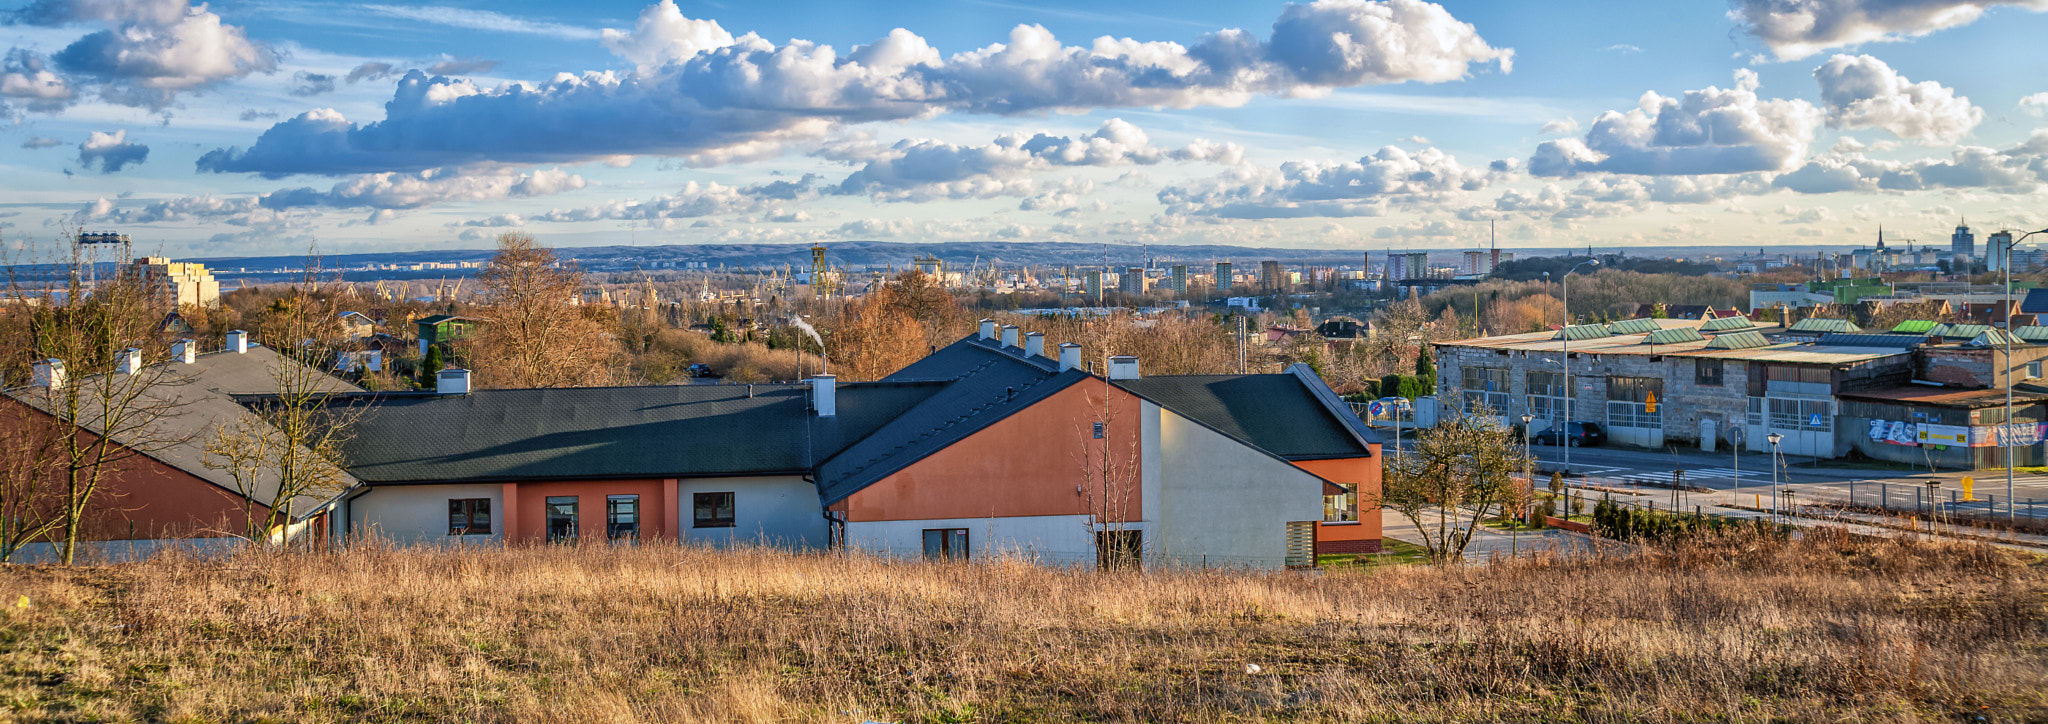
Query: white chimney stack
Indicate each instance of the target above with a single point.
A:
(1010, 335)
(1070, 356)
(1034, 344)
(238, 342)
(988, 329)
(1123, 367)
(452, 381)
(49, 373)
(185, 351)
(130, 362)
(825, 395)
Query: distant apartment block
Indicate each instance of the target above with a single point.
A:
(177, 284)
(1272, 277)
(1179, 279)
(1223, 278)
(1133, 281)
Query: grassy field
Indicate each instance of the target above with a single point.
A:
(1823, 629)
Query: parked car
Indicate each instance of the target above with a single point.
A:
(1574, 434)
(700, 370)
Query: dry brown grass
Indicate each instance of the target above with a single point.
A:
(1826, 629)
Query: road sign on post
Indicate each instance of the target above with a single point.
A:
(1650, 402)
(1969, 488)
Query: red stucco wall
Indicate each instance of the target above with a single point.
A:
(1027, 464)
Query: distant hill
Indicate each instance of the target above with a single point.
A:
(842, 253)
(863, 254)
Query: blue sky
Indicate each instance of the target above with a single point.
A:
(252, 127)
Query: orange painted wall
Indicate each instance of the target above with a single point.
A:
(1363, 472)
(141, 498)
(529, 521)
(1027, 464)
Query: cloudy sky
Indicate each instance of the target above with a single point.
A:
(260, 126)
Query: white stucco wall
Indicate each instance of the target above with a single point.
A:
(1053, 539)
(1219, 502)
(780, 511)
(417, 514)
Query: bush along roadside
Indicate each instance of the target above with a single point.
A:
(1622, 523)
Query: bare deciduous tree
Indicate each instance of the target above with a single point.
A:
(1453, 477)
(97, 329)
(1110, 479)
(288, 451)
(537, 335)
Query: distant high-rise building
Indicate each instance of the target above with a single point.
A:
(1133, 281)
(177, 284)
(1091, 282)
(1223, 278)
(1180, 279)
(1995, 247)
(1272, 277)
(1963, 243)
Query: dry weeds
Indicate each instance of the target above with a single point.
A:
(1827, 628)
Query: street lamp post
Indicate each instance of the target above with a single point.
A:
(1528, 487)
(2005, 435)
(1565, 333)
(1777, 461)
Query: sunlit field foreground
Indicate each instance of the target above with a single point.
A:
(1826, 629)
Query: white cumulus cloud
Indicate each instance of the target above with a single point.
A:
(1860, 91)
(1366, 187)
(1707, 131)
(1794, 29)
(111, 152)
(149, 51)
(697, 92)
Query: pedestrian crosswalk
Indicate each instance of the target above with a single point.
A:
(1691, 476)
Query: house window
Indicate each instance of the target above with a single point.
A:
(945, 543)
(1098, 430)
(561, 518)
(622, 517)
(1485, 386)
(714, 510)
(1119, 548)
(2033, 370)
(1629, 402)
(1706, 372)
(469, 516)
(1342, 508)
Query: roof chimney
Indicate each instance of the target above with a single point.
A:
(185, 351)
(1070, 356)
(130, 362)
(238, 342)
(49, 373)
(1034, 344)
(1009, 335)
(452, 381)
(1123, 367)
(825, 395)
(988, 329)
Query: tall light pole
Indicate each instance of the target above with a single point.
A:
(1566, 333)
(2005, 437)
(1775, 460)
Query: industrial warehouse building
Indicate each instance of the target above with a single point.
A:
(1922, 394)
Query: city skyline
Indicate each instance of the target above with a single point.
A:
(261, 128)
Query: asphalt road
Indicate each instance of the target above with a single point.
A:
(1728, 470)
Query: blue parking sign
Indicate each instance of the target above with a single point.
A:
(1377, 408)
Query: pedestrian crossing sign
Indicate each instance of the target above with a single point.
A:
(1813, 421)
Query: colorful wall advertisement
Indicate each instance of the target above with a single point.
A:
(1895, 432)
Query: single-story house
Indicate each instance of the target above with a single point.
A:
(987, 446)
